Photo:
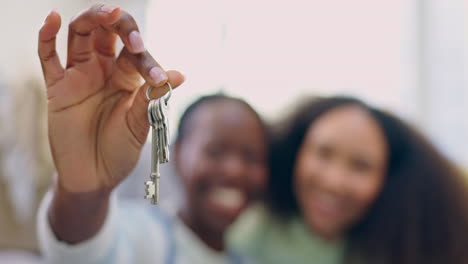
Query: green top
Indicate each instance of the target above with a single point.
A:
(269, 240)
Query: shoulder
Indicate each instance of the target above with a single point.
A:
(250, 229)
(267, 238)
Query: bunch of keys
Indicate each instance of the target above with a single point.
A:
(157, 115)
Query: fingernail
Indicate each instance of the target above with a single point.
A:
(158, 75)
(136, 42)
(48, 15)
(183, 75)
(108, 8)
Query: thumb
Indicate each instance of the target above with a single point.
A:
(137, 116)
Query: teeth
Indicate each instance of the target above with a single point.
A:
(228, 197)
(330, 201)
(329, 198)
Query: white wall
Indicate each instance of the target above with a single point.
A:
(272, 52)
(405, 55)
(444, 76)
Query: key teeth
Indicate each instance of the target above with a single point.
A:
(150, 189)
(151, 192)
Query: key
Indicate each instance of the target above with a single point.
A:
(163, 131)
(152, 186)
(158, 118)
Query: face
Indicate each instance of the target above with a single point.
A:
(222, 162)
(340, 170)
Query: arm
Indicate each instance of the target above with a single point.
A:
(75, 217)
(101, 247)
(97, 114)
(130, 233)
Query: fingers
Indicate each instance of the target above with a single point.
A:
(137, 116)
(92, 30)
(81, 28)
(129, 68)
(50, 62)
(104, 42)
(127, 28)
(175, 79)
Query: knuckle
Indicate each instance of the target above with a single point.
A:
(47, 55)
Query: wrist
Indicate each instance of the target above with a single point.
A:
(76, 217)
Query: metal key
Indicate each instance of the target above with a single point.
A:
(161, 126)
(157, 115)
(152, 186)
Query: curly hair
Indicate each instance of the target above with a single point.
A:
(421, 214)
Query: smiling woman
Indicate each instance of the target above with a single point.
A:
(221, 159)
(338, 175)
(364, 187)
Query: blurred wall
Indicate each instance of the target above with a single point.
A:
(407, 56)
(444, 84)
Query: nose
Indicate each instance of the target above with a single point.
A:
(234, 167)
(334, 179)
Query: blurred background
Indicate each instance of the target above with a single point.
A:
(406, 56)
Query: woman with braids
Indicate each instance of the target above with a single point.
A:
(352, 184)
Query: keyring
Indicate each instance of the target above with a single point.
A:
(148, 92)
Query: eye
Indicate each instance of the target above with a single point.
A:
(214, 151)
(252, 157)
(361, 165)
(324, 152)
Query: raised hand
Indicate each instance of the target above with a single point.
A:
(97, 113)
(97, 108)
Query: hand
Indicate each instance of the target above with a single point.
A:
(97, 107)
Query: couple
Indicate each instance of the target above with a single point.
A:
(343, 182)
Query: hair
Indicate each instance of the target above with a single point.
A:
(421, 214)
(187, 116)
